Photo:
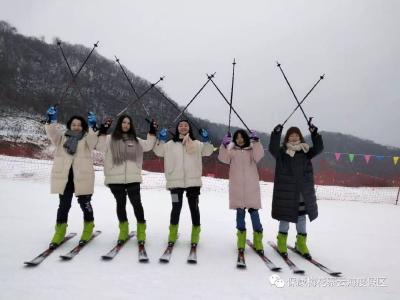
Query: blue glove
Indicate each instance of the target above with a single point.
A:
(163, 135)
(204, 135)
(51, 115)
(91, 117)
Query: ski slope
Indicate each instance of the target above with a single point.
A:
(357, 238)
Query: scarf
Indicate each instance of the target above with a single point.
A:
(291, 148)
(188, 142)
(71, 143)
(126, 149)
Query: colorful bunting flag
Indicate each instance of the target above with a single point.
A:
(395, 159)
(337, 155)
(367, 157)
(351, 157)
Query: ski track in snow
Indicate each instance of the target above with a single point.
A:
(359, 239)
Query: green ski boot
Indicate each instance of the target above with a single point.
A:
(87, 232)
(282, 243)
(241, 239)
(141, 233)
(301, 245)
(123, 232)
(257, 241)
(59, 234)
(173, 233)
(195, 235)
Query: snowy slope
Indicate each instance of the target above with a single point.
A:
(360, 239)
(22, 128)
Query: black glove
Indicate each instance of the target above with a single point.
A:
(153, 127)
(105, 126)
(313, 129)
(278, 128)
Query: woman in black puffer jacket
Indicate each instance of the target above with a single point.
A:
(294, 193)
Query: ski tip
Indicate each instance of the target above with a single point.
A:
(105, 257)
(336, 274)
(63, 257)
(299, 272)
(276, 269)
(163, 261)
(29, 264)
(241, 267)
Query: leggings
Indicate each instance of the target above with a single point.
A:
(192, 194)
(120, 191)
(66, 200)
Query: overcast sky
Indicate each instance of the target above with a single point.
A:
(355, 43)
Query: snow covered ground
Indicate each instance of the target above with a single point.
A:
(357, 238)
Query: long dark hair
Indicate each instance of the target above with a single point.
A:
(84, 124)
(290, 131)
(176, 136)
(117, 134)
(245, 137)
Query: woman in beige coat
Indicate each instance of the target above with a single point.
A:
(183, 169)
(122, 171)
(242, 153)
(72, 170)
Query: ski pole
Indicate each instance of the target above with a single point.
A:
(287, 81)
(226, 100)
(230, 109)
(194, 97)
(305, 97)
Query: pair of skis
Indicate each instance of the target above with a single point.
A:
(241, 263)
(295, 269)
(192, 258)
(68, 256)
(71, 254)
(115, 250)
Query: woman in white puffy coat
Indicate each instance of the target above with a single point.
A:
(183, 169)
(122, 170)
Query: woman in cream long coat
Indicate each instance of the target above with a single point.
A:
(122, 170)
(72, 170)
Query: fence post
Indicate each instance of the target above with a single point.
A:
(398, 193)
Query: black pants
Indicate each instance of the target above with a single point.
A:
(192, 194)
(66, 200)
(133, 191)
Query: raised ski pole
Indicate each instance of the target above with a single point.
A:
(305, 97)
(178, 109)
(74, 76)
(291, 89)
(226, 100)
(230, 109)
(134, 91)
(194, 97)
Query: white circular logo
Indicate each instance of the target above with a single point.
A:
(277, 281)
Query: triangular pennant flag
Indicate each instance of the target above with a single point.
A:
(367, 157)
(337, 155)
(351, 157)
(380, 157)
(395, 159)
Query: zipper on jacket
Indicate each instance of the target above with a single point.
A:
(125, 161)
(183, 165)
